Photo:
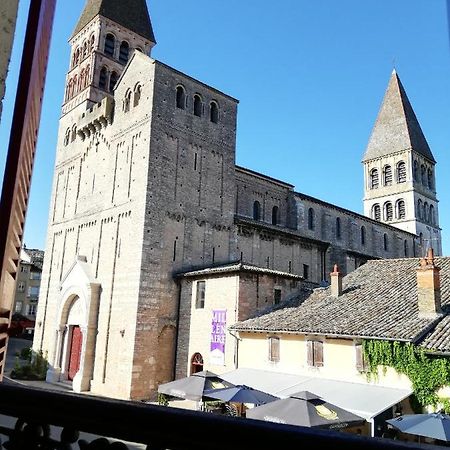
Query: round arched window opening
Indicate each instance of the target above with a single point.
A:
(196, 363)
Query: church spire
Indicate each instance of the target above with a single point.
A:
(131, 14)
(397, 127)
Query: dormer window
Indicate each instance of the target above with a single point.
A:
(110, 42)
(198, 105)
(124, 52)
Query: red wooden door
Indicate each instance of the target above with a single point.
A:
(75, 352)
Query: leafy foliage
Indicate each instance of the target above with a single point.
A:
(34, 369)
(427, 373)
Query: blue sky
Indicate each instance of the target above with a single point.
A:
(310, 76)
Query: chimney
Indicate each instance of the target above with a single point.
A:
(336, 282)
(429, 286)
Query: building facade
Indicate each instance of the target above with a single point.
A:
(145, 189)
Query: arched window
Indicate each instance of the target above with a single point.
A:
(86, 76)
(113, 81)
(76, 57)
(196, 363)
(387, 175)
(374, 180)
(421, 239)
(388, 212)
(181, 97)
(400, 209)
(423, 175)
(405, 248)
(385, 242)
(214, 112)
(198, 106)
(137, 95)
(103, 80)
(311, 219)
(426, 212)
(376, 212)
(430, 179)
(91, 43)
(363, 235)
(127, 101)
(124, 52)
(81, 80)
(110, 42)
(74, 133)
(275, 215)
(256, 210)
(67, 137)
(69, 90)
(416, 171)
(432, 217)
(85, 49)
(401, 172)
(338, 228)
(75, 86)
(419, 208)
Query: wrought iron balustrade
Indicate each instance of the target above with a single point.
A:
(41, 419)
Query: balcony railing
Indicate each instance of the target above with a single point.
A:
(54, 420)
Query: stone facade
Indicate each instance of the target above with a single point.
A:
(8, 16)
(145, 188)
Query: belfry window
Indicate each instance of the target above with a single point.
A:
(430, 179)
(388, 213)
(256, 210)
(415, 171)
(419, 208)
(387, 175)
(124, 52)
(113, 81)
(400, 209)
(376, 212)
(110, 42)
(423, 175)
(432, 218)
(214, 112)
(103, 80)
(426, 212)
(137, 95)
(401, 172)
(374, 179)
(198, 106)
(181, 97)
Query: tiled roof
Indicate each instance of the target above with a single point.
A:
(131, 14)
(379, 300)
(396, 127)
(237, 267)
(36, 256)
(439, 338)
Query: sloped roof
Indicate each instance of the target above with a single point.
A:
(396, 128)
(379, 300)
(131, 14)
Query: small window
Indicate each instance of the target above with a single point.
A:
(21, 287)
(274, 349)
(423, 175)
(305, 271)
(314, 353)
(127, 102)
(405, 248)
(363, 235)
(31, 310)
(361, 364)
(85, 49)
(401, 209)
(401, 172)
(426, 212)
(388, 212)
(181, 97)
(277, 296)
(33, 291)
(198, 105)
(214, 112)
(110, 42)
(311, 219)
(103, 80)
(387, 175)
(374, 179)
(385, 242)
(137, 95)
(419, 209)
(256, 210)
(338, 228)
(18, 308)
(196, 363)
(113, 81)
(67, 137)
(124, 52)
(200, 295)
(91, 43)
(275, 215)
(430, 179)
(432, 217)
(24, 269)
(416, 171)
(74, 133)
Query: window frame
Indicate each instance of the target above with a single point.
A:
(273, 349)
(314, 353)
(200, 294)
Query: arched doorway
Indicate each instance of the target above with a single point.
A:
(196, 363)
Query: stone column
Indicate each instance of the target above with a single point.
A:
(54, 370)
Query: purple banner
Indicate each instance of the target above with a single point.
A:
(218, 333)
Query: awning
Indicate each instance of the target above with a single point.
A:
(365, 400)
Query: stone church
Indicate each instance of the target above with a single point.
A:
(150, 215)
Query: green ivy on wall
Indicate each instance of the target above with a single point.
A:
(427, 373)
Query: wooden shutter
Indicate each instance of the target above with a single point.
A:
(310, 353)
(359, 358)
(274, 349)
(318, 354)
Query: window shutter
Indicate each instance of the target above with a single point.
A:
(359, 358)
(318, 354)
(310, 353)
(274, 349)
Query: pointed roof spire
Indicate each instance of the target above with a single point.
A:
(396, 127)
(131, 14)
